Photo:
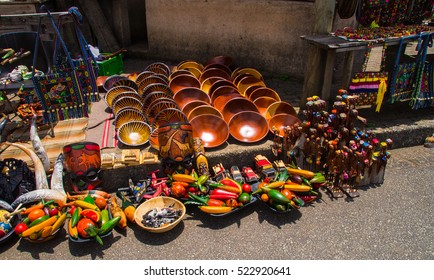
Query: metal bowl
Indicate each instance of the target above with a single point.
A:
(248, 127)
(189, 94)
(134, 133)
(280, 121)
(213, 130)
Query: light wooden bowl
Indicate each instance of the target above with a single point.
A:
(158, 202)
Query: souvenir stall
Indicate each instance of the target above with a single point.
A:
(396, 40)
(168, 120)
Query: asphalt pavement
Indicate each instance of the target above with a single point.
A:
(393, 221)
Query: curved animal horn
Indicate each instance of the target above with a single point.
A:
(40, 175)
(37, 145)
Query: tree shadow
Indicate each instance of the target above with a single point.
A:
(156, 239)
(277, 219)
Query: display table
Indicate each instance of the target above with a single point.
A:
(330, 45)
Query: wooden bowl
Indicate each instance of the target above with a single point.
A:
(154, 79)
(156, 87)
(108, 97)
(218, 66)
(262, 103)
(213, 130)
(248, 81)
(208, 82)
(279, 107)
(158, 105)
(248, 127)
(126, 102)
(183, 81)
(223, 90)
(214, 72)
(180, 72)
(110, 81)
(159, 202)
(126, 94)
(236, 105)
(128, 115)
(264, 91)
(190, 106)
(203, 110)
(280, 121)
(126, 82)
(222, 100)
(143, 75)
(167, 116)
(159, 68)
(221, 59)
(134, 133)
(189, 94)
(218, 84)
(192, 66)
(246, 71)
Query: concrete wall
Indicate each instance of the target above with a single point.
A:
(256, 33)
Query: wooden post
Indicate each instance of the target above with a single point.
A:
(316, 64)
(100, 26)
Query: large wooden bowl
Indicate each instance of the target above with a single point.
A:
(262, 103)
(279, 107)
(264, 91)
(158, 202)
(248, 81)
(221, 59)
(220, 83)
(213, 130)
(248, 127)
(280, 121)
(190, 106)
(183, 81)
(134, 133)
(203, 110)
(214, 72)
(236, 105)
(190, 94)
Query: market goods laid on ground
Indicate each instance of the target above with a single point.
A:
(322, 152)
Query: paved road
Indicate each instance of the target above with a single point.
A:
(393, 221)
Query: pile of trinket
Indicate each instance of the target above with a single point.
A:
(161, 217)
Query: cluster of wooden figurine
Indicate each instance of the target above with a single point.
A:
(330, 142)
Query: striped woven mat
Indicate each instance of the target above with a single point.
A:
(65, 132)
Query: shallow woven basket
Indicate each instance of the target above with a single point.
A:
(158, 202)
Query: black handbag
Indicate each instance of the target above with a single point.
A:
(15, 179)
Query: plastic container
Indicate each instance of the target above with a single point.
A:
(112, 66)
